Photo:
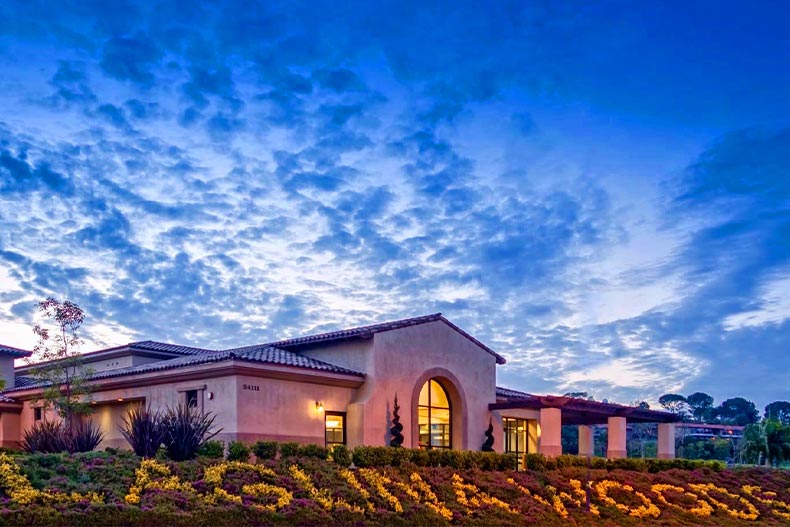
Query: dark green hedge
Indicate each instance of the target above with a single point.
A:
(380, 456)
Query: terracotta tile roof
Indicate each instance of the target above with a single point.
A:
(271, 355)
(150, 345)
(369, 331)
(6, 399)
(515, 394)
(14, 352)
(262, 355)
(21, 381)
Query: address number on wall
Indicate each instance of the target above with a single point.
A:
(251, 387)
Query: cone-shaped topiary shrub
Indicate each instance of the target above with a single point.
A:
(397, 428)
(488, 444)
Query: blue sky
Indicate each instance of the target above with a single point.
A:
(599, 192)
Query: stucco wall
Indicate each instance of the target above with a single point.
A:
(109, 417)
(222, 405)
(352, 354)
(285, 410)
(401, 361)
(123, 361)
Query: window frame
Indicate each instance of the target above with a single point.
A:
(506, 430)
(342, 415)
(38, 414)
(196, 399)
(430, 407)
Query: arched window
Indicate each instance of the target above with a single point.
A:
(434, 416)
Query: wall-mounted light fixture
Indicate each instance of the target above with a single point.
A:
(120, 399)
(319, 406)
(210, 395)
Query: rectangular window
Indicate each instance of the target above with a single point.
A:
(192, 398)
(516, 431)
(37, 414)
(335, 428)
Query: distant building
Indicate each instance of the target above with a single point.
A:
(709, 430)
(336, 388)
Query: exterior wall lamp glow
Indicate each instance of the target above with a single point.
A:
(319, 406)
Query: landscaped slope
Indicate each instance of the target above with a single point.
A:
(120, 489)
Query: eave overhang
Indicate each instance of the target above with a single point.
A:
(583, 412)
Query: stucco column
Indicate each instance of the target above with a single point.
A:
(616, 445)
(550, 431)
(666, 440)
(586, 442)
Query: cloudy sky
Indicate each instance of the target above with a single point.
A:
(599, 191)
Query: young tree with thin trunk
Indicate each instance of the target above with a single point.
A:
(61, 371)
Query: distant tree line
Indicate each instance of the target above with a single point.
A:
(765, 440)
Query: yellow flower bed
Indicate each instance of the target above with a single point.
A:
(698, 499)
(214, 476)
(145, 479)
(647, 510)
(780, 508)
(471, 497)
(701, 508)
(428, 497)
(379, 482)
(323, 496)
(705, 489)
(19, 489)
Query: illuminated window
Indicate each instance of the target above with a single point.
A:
(335, 423)
(516, 438)
(434, 416)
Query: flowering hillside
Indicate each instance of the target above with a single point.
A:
(121, 489)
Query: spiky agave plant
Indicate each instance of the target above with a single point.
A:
(186, 429)
(84, 437)
(46, 437)
(144, 430)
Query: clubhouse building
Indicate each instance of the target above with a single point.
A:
(335, 388)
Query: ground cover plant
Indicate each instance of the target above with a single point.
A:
(120, 488)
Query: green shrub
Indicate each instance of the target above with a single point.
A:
(315, 451)
(508, 462)
(238, 451)
(265, 449)
(289, 449)
(419, 456)
(536, 462)
(400, 456)
(212, 449)
(187, 429)
(144, 430)
(340, 455)
(373, 456)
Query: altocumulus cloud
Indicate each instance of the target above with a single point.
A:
(219, 175)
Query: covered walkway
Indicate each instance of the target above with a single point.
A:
(558, 411)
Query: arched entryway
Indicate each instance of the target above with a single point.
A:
(434, 416)
(438, 411)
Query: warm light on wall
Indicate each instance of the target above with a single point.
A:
(319, 406)
(120, 399)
